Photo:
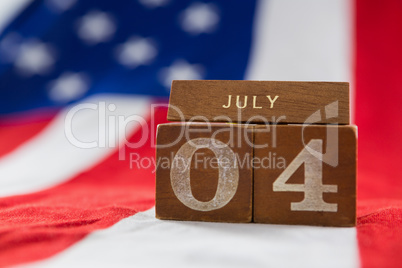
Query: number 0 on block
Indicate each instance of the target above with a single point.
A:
(198, 176)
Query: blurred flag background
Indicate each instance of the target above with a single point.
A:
(83, 81)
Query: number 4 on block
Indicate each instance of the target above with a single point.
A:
(315, 182)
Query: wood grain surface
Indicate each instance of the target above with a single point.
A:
(259, 101)
(329, 189)
(204, 173)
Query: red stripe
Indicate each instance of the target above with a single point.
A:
(14, 133)
(39, 225)
(378, 116)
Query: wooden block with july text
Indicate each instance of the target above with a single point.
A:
(306, 175)
(259, 101)
(198, 177)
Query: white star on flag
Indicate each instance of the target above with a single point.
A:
(69, 86)
(96, 27)
(136, 51)
(34, 57)
(199, 18)
(180, 70)
(154, 3)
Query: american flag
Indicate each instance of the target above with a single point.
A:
(83, 85)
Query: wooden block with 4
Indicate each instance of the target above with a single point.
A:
(306, 175)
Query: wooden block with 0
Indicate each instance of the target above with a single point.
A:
(307, 175)
(198, 177)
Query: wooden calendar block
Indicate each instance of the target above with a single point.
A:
(307, 175)
(202, 172)
(259, 101)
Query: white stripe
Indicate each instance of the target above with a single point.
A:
(49, 158)
(9, 9)
(302, 40)
(143, 241)
(309, 40)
